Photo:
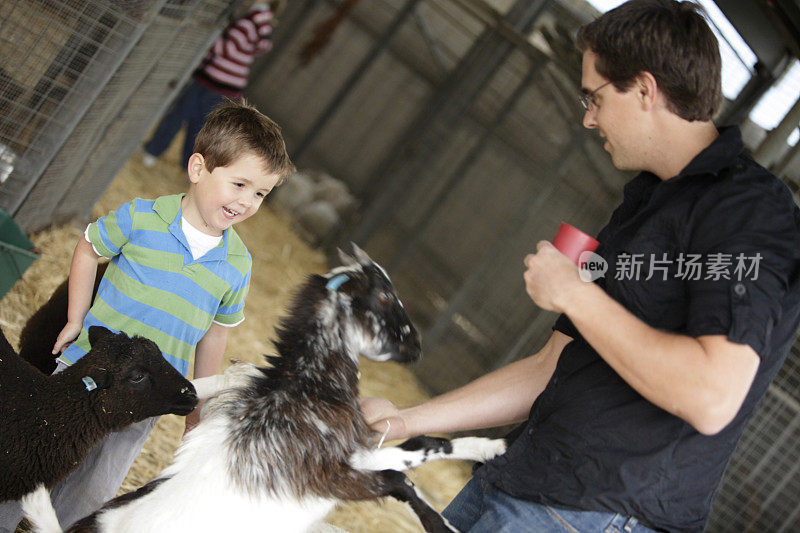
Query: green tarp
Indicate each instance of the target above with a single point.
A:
(15, 254)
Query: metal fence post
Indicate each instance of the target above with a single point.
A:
(353, 79)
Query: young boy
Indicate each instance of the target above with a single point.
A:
(178, 275)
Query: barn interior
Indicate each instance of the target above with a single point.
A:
(452, 132)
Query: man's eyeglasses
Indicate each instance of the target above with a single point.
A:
(587, 99)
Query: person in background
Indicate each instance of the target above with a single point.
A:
(222, 74)
(632, 409)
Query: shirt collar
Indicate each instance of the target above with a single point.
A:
(718, 155)
(709, 163)
(169, 209)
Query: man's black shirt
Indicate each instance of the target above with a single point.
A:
(591, 441)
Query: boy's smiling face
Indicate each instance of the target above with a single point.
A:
(227, 195)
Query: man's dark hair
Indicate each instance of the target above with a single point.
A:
(235, 128)
(669, 39)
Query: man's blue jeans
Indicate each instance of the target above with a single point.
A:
(481, 508)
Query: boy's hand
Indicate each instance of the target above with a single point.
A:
(65, 338)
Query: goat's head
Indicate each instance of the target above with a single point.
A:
(377, 327)
(133, 377)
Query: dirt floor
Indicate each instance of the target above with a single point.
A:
(280, 262)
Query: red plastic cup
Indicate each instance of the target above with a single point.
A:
(572, 242)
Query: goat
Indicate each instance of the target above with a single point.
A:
(50, 423)
(277, 447)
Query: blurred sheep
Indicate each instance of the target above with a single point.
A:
(317, 203)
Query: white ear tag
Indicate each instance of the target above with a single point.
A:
(89, 382)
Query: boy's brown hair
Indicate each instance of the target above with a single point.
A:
(669, 39)
(234, 128)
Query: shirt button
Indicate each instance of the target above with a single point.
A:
(740, 289)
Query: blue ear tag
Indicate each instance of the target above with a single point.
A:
(89, 382)
(337, 281)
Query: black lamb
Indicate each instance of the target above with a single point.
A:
(50, 423)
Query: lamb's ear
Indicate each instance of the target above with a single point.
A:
(361, 255)
(96, 333)
(346, 259)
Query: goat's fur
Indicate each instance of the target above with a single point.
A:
(50, 423)
(277, 447)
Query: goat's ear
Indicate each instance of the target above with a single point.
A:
(96, 333)
(361, 255)
(346, 260)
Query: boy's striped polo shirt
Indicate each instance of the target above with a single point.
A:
(154, 288)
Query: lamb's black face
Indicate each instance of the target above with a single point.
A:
(379, 327)
(137, 369)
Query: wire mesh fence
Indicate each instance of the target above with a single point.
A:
(761, 485)
(80, 84)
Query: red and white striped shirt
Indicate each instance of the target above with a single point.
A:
(227, 64)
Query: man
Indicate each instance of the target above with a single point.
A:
(636, 402)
